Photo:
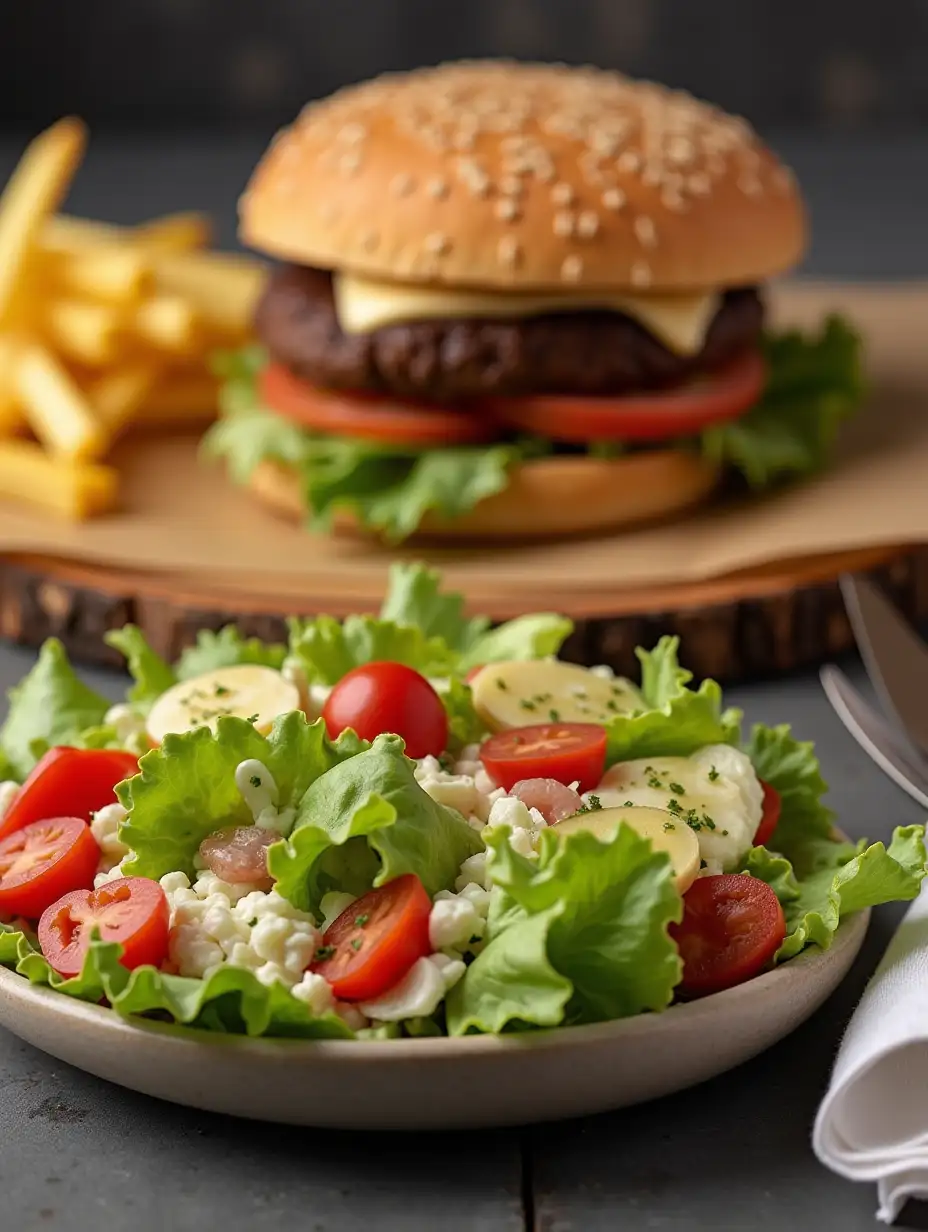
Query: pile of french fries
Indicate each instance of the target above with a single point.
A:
(102, 329)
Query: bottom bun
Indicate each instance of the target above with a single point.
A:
(545, 498)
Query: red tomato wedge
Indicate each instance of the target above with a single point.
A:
(68, 782)
(373, 943)
(567, 752)
(370, 417)
(133, 911)
(43, 861)
(389, 697)
(770, 815)
(731, 928)
(659, 416)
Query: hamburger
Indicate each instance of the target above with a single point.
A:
(516, 300)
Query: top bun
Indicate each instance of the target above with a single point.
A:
(515, 176)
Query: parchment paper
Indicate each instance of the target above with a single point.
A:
(185, 520)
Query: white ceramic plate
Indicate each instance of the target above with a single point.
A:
(435, 1083)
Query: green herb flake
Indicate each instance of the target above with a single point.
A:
(361, 920)
(255, 780)
(501, 684)
(324, 953)
(526, 704)
(713, 774)
(356, 944)
(221, 690)
(669, 825)
(677, 789)
(590, 806)
(554, 716)
(252, 718)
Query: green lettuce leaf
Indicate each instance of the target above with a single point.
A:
(805, 831)
(414, 597)
(231, 1000)
(185, 789)
(227, 648)
(814, 384)
(674, 720)
(594, 914)
(861, 877)
(366, 822)
(464, 723)
(151, 675)
(327, 649)
(49, 706)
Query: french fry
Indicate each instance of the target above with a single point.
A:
(84, 332)
(173, 233)
(167, 323)
(57, 411)
(179, 400)
(11, 416)
(65, 233)
(118, 396)
(221, 287)
(112, 273)
(34, 191)
(73, 490)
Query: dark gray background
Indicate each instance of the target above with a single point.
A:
(822, 64)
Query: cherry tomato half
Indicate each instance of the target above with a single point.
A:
(658, 416)
(731, 928)
(567, 752)
(133, 911)
(68, 782)
(389, 697)
(770, 815)
(376, 940)
(369, 416)
(43, 861)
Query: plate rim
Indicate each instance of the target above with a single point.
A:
(16, 988)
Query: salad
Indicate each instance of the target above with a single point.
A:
(410, 824)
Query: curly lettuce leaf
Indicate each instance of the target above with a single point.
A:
(578, 936)
(230, 1001)
(227, 648)
(673, 720)
(414, 597)
(150, 674)
(805, 831)
(49, 706)
(814, 384)
(185, 789)
(465, 725)
(366, 822)
(327, 649)
(860, 877)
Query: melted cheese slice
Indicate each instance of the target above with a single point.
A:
(679, 321)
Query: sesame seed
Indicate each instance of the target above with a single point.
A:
(681, 151)
(750, 185)
(473, 176)
(645, 231)
(563, 223)
(402, 185)
(613, 199)
(351, 134)
(571, 268)
(641, 274)
(437, 244)
(463, 139)
(562, 194)
(652, 175)
(506, 209)
(699, 184)
(508, 251)
(630, 161)
(671, 200)
(349, 164)
(511, 186)
(604, 142)
(587, 224)
(438, 189)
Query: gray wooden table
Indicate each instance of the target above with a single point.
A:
(734, 1154)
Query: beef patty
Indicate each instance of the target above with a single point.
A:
(449, 360)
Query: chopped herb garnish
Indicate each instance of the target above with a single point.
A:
(703, 864)
(356, 944)
(255, 780)
(725, 833)
(708, 822)
(610, 705)
(221, 690)
(713, 774)
(526, 704)
(655, 783)
(677, 789)
(361, 920)
(590, 806)
(252, 718)
(324, 953)
(673, 806)
(636, 713)
(554, 716)
(501, 684)
(629, 804)
(669, 825)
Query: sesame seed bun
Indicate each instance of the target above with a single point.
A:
(505, 175)
(545, 498)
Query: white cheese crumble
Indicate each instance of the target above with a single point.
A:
(104, 826)
(129, 727)
(258, 788)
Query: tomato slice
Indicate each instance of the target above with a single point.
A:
(712, 398)
(732, 926)
(369, 416)
(68, 782)
(567, 752)
(389, 697)
(373, 943)
(770, 815)
(43, 861)
(132, 910)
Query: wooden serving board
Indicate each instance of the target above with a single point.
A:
(757, 622)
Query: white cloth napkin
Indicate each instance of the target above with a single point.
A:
(873, 1122)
